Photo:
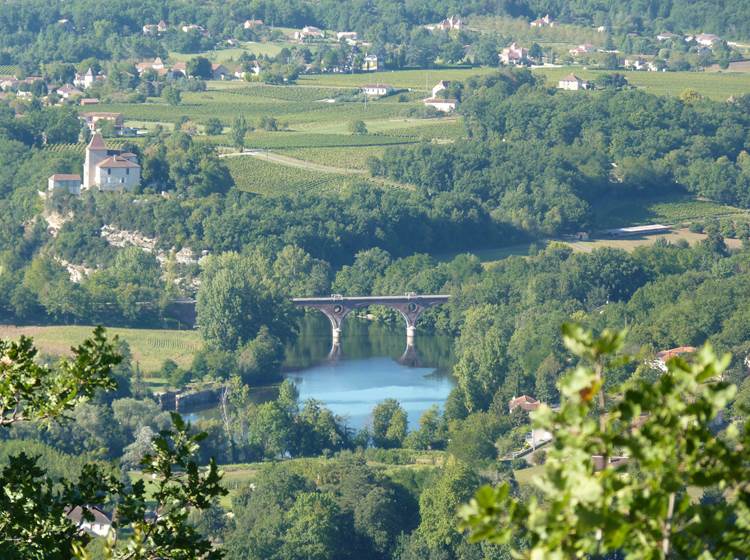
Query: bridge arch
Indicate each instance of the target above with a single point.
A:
(336, 308)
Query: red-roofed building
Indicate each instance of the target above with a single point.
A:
(665, 355)
(524, 402)
(65, 181)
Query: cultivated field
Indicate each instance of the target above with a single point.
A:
(150, 347)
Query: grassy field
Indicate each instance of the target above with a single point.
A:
(150, 347)
(714, 85)
(240, 474)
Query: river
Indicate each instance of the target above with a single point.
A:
(370, 368)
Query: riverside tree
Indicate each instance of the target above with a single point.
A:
(664, 431)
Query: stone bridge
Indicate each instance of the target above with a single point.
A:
(337, 307)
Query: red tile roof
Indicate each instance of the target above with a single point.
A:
(117, 161)
(526, 403)
(65, 177)
(97, 142)
(666, 355)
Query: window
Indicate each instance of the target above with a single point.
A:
(109, 171)
(127, 171)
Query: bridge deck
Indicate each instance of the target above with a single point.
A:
(371, 300)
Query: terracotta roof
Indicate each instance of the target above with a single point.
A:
(117, 161)
(65, 177)
(526, 402)
(571, 78)
(97, 142)
(665, 355)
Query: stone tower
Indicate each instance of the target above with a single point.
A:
(96, 152)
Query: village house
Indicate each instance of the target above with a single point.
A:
(93, 119)
(348, 36)
(89, 101)
(524, 402)
(667, 36)
(100, 526)
(538, 437)
(67, 91)
(441, 104)
(448, 24)
(377, 90)
(64, 182)
(546, 21)
(186, 28)
(514, 54)
(252, 23)
(585, 48)
(109, 170)
(9, 83)
(150, 29)
(370, 63)
(635, 64)
(661, 359)
(251, 68)
(707, 39)
(88, 78)
(309, 33)
(157, 65)
(571, 82)
(220, 72)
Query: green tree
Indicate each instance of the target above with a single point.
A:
(171, 95)
(358, 127)
(664, 431)
(238, 132)
(199, 67)
(313, 528)
(261, 358)
(388, 424)
(214, 126)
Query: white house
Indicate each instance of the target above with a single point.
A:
(377, 90)
(309, 33)
(252, 23)
(546, 21)
(87, 79)
(514, 54)
(92, 119)
(220, 72)
(538, 437)
(109, 170)
(64, 181)
(635, 64)
(370, 63)
(571, 82)
(347, 36)
(707, 39)
(585, 48)
(443, 105)
(667, 36)
(192, 27)
(100, 526)
(450, 23)
(67, 91)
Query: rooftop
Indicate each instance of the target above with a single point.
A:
(117, 162)
(65, 177)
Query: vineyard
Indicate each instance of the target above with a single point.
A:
(79, 148)
(253, 174)
(283, 140)
(346, 158)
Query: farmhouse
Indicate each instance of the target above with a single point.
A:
(638, 230)
(514, 54)
(109, 170)
(524, 402)
(67, 91)
(707, 39)
(309, 33)
(571, 82)
(377, 90)
(370, 63)
(89, 101)
(450, 23)
(348, 36)
(99, 527)
(546, 21)
(585, 48)
(64, 182)
(441, 104)
(93, 119)
(157, 65)
(667, 36)
(188, 27)
(252, 23)
(220, 72)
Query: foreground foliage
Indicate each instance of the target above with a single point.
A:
(666, 430)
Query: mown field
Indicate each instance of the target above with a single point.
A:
(714, 85)
(150, 347)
